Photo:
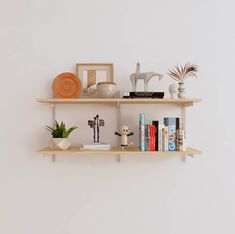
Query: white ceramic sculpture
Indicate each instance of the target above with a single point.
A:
(173, 89)
(60, 143)
(146, 76)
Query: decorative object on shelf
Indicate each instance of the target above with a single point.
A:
(124, 134)
(146, 76)
(96, 123)
(180, 73)
(93, 73)
(181, 90)
(106, 89)
(173, 89)
(60, 136)
(127, 94)
(66, 85)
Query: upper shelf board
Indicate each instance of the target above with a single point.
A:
(118, 101)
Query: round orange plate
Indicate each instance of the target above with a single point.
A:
(66, 85)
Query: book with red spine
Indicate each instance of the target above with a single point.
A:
(152, 138)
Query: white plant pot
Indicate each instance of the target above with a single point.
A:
(60, 143)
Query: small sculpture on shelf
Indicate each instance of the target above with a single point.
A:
(124, 134)
(173, 89)
(146, 76)
(96, 123)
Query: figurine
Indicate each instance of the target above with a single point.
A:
(96, 124)
(124, 136)
(173, 89)
(146, 76)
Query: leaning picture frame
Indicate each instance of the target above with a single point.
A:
(91, 74)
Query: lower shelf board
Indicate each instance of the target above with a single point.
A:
(118, 151)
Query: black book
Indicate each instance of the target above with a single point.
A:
(156, 124)
(143, 95)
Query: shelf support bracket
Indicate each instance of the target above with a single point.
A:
(118, 157)
(53, 124)
(183, 116)
(53, 158)
(191, 155)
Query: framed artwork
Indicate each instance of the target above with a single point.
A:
(91, 74)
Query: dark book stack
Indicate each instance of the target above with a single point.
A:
(128, 94)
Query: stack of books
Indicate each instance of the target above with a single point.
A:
(96, 146)
(157, 136)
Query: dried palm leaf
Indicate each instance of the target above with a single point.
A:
(181, 73)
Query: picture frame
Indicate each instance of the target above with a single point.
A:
(91, 74)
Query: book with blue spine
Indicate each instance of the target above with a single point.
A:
(173, 125)
(142, 131)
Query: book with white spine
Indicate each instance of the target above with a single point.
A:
(160, 127)
(165, 138)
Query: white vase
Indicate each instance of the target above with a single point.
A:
(181, 90)
(60, 143)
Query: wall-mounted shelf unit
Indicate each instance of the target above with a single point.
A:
(182, 103)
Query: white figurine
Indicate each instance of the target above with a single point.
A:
(173, 89)
(146, 76)
(124, 134)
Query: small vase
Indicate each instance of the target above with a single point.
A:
(181, 90)
(60, 143)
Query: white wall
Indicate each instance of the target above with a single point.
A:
(94, 194)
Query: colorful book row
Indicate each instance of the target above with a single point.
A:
(166, 136)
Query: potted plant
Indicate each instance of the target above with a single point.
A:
(60, 136)
(180, 73)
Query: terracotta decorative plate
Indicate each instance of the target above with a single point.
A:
(66, 85)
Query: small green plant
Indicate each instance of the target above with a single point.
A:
(60, 130)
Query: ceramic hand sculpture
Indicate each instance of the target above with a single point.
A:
(146, 76)
(124, 134)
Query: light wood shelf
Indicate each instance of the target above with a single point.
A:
(119, 151)
(118, 101)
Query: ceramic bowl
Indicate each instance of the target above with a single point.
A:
(106, 90)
